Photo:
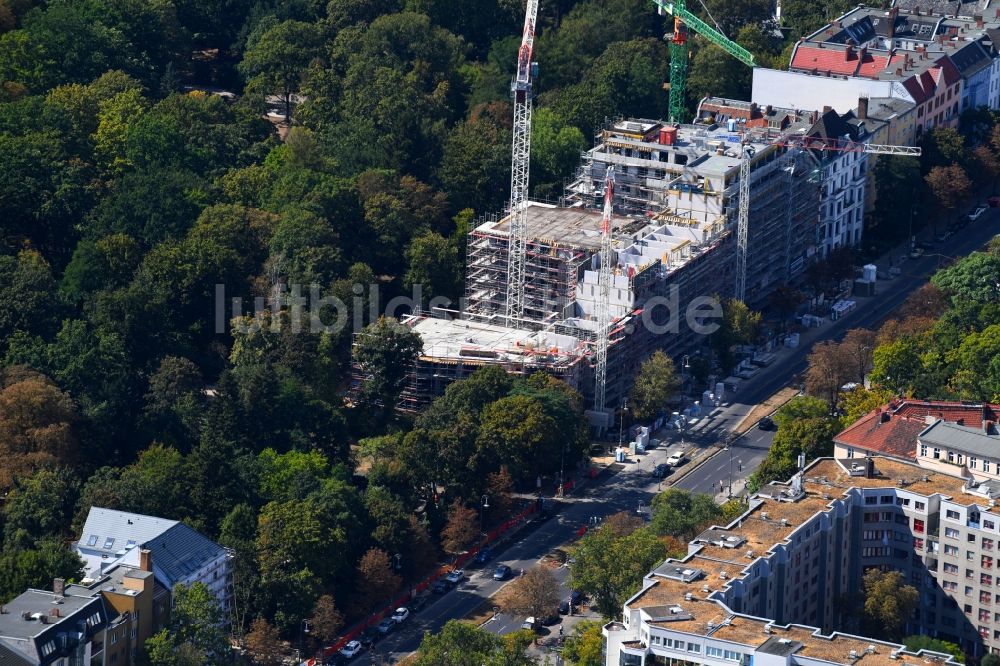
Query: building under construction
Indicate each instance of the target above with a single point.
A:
(691, 172)
(661, 265)
(672, 232)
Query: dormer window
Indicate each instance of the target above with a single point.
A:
(92, 540)
(108, 543)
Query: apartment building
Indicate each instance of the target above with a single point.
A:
(940, 435)
(41, 628)
(179, 554)
(774, 584)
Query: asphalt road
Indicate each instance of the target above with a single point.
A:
(624, 487)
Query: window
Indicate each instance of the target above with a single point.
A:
(885, 499)
(949, 585)
(951, 456)
(50, 647)
(987, 544)
(937, 454)
(951, 532)
(130, 543)
(918, 544)
(950, 568)
(729, 655)
(94, 620)
(969, 555)
(985, 579)
(108, 543)
(919, 506)
(952, 515)
(988, 525)
(918, 526)
(871, 499)
(694, 647)
(713, 651)
(968, 592)
(986, 562)
(92, 540)
(984, 615)
(984, 597)
(973, 462)
(950, 550)
(969, 573)
(971, 538)
(871, 516)
(850, 452)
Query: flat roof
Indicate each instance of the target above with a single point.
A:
(472, 341)
(39, 602)
(574, 227)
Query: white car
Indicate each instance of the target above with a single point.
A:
(400, 615)
(351, 650)
(455, 576)
(676, 458)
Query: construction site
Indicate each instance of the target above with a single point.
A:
(658, 215)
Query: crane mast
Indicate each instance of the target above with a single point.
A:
(603, 309)
(519, 163)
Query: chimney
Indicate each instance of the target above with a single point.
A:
(827, 109)
(145, 560)
(899, 71)
(862, 108)
(768, 109)
(54, 612)
(850, 49)
(988, 427)
(893, 13)
(870, 467)
(998, 13)
(862, 52)
(979, 20)
(59, 587)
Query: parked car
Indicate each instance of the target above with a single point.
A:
(653, 443)
(575, 597)
(502, 572)
(916, 253)
(386, 626)
(676, 458)
(351, 650)
(564, 607)
(455, 576)
(976, 212)
(369, 637)
(530, 624)
(661, 470)
(766, 423)
(440, 587)
(484, 555)
(400, 615)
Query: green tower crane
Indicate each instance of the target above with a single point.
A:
(679, 50)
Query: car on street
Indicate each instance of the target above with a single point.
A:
(765, 423)
(400, 615)
(916, 253)
(575, 597)
(676, 458)
(502, 572)
(653, 443)
(351, 650)
(386, 626)
(440, 587)
(369, 637)
(976, 212)
(564, 607)
(455, 576)
(530, 624)
(661, 470)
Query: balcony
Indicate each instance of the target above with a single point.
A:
(973, 525)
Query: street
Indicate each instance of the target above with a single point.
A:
(624, 486)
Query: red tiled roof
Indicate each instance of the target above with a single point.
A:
(838, 60)
(893, 429)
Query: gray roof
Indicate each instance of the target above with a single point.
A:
(177, 550)
(971, 58)
(25, 637)
(885, 108)
(961, 438)
(10, 658)
(180, 552)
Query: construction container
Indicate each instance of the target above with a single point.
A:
(668, 136)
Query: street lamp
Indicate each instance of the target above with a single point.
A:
(482, 513)
(621, 422)
(303, 630)
(399, 561)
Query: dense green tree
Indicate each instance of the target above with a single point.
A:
(917, 642)
(585, 646)
(385, 351)
(974, 278)
(38, 507)
(462, 643)
(610, 568)
(804, 427)
(28, 298)
(888, 603)
(275, 60)
(433, 266)
(475, 164)
(35, 567)
(655, 384)
(555, 153)
(195, 628)
(682, 514)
